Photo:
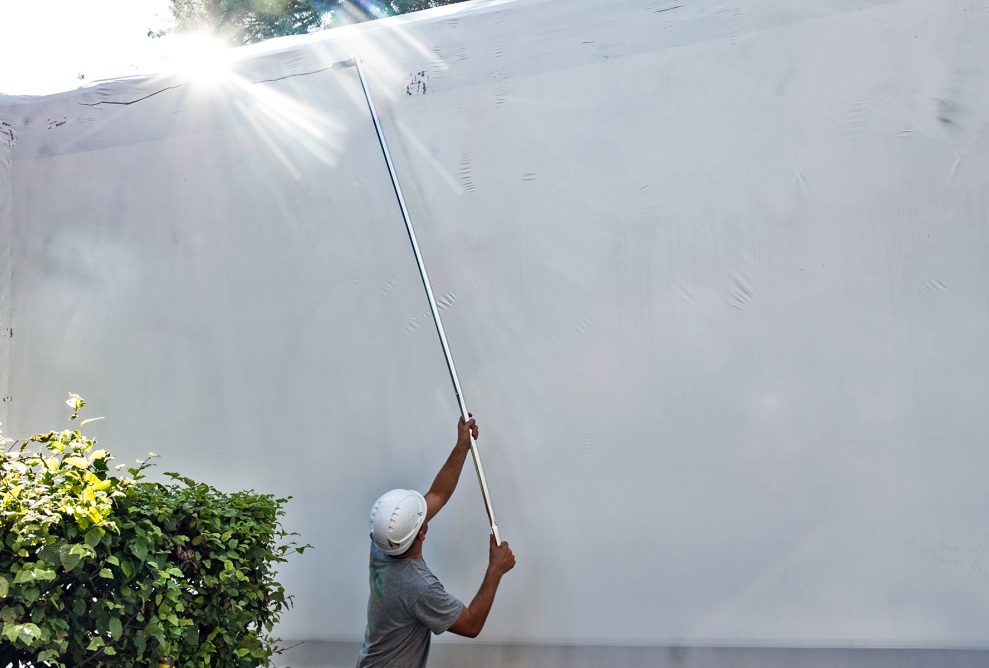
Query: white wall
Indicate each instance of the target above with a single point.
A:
(7, 140)
(716, 277)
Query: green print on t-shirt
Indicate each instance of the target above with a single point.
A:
(375, 583)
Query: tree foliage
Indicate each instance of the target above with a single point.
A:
(405, 6)
(247, 21)
(98, 569)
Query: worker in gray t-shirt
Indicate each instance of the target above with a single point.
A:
(407, 603)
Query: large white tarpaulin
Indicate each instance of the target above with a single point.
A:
(6, 195)
(715, 276)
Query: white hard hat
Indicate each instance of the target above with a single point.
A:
(396, 519)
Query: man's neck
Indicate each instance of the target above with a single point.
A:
(414, 552)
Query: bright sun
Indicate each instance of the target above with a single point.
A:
(200, 57)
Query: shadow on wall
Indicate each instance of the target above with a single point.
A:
(468, 655)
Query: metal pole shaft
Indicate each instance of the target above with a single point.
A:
(429, 295)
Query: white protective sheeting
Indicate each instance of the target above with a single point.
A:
(6, 195)
(715, 275)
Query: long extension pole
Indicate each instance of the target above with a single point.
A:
(429, 295)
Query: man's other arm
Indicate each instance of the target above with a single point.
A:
(472, 618)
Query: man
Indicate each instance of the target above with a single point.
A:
(407, 603)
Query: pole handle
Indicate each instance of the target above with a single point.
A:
(475, 455)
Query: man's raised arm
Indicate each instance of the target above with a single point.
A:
(446, 480)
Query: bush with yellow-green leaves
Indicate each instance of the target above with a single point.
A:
(99, 568)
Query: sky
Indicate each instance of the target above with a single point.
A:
(57, 45)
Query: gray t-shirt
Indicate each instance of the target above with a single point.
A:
(406, 603)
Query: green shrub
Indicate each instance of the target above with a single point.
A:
(100, 569)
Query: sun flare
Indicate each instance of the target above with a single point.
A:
(201, 57)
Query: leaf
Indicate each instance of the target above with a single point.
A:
(102, 485)
(139, 549)
(87, 421)
(93, 537)
(26, 575)
(75, 402)
(30, 594)
(28, 633)
(69, 560)
(116, 628)
(4, 586)
(78, 462)
(106, 573)
(50, 553)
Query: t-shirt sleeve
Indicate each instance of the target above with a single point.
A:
(437, 609)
